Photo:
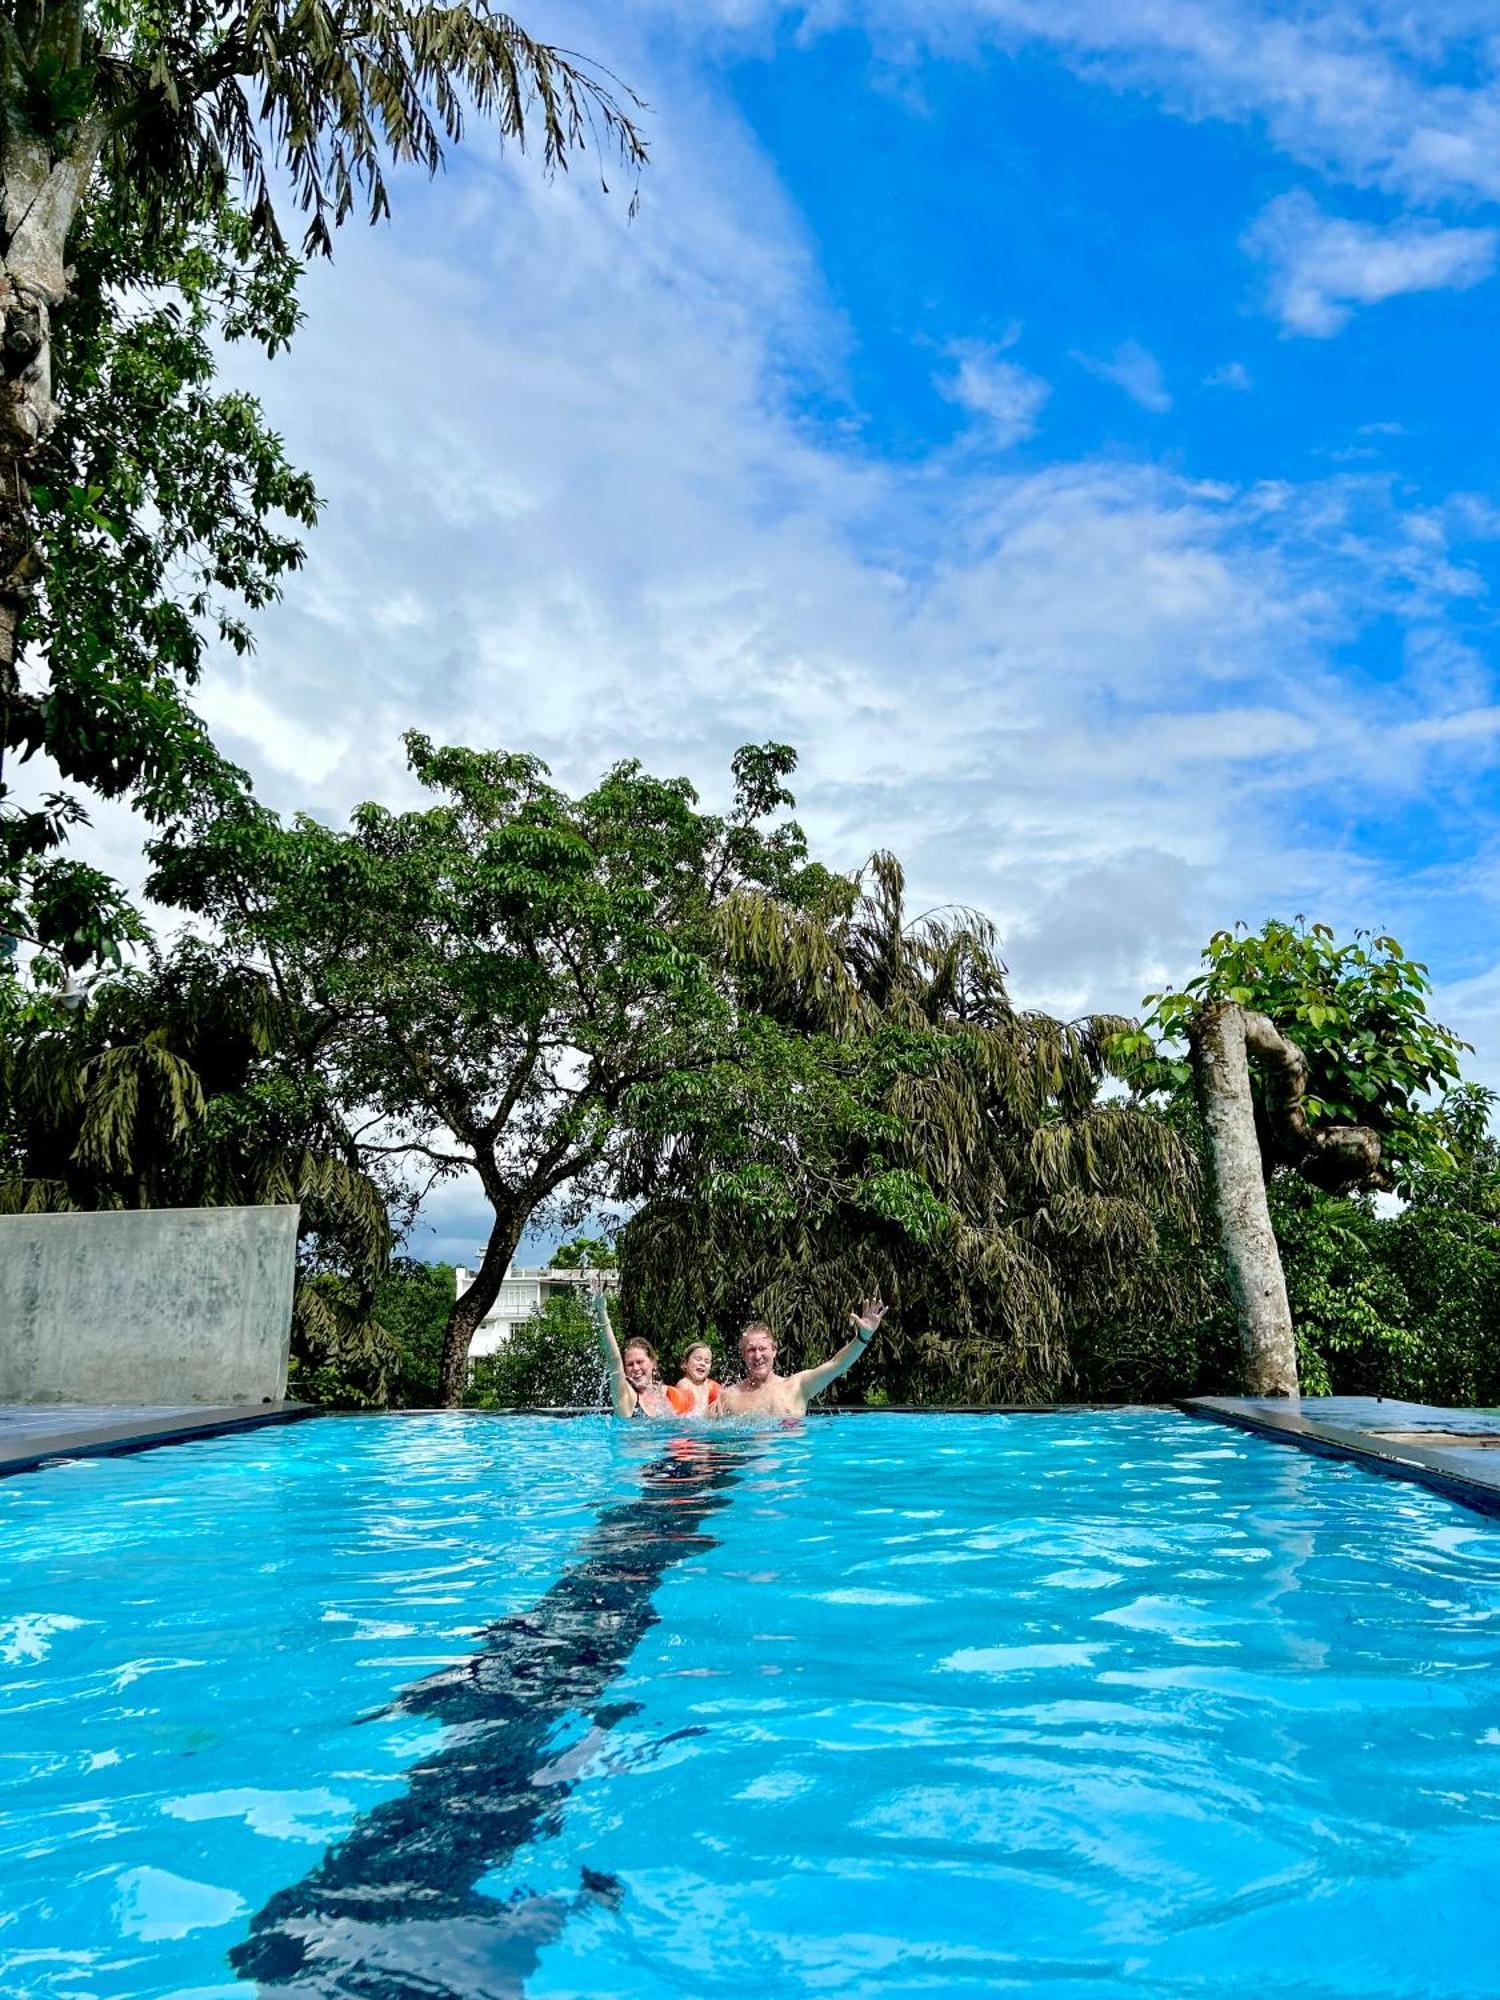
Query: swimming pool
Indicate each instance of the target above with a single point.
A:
(1096, 1705)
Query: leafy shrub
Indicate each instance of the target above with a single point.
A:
(412, 1304)
(1355, 1335)
(550, 1359)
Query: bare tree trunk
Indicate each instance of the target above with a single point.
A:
(1221, 1071)
(39, 199)
(470, 1309)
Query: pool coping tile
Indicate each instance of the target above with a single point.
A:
(86, 1436)
(1468, 1474)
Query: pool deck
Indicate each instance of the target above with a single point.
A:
(1455, 1451)
(33, 1434)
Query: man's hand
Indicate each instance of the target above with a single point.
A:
(869, 1316)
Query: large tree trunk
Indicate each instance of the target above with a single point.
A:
(470, 1309)
(1221, 1071)
(39, 199)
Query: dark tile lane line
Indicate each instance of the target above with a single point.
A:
(392, 1911)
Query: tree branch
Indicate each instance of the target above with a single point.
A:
(496, 1123)
(1336, 1158)
(427, 1152)
(453, 1113)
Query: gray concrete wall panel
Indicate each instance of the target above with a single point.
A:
(187, 1305)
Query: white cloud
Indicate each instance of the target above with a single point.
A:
(610, 533)
(1135, 371)
(1322, 266)
(1233, 375)
(234, 703)
(1004, 396)
(1372, 91)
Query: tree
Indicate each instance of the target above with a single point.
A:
(412, 1302)
(163, 511)
(1404, 1305)
(164, 1088)
(1353, 1319)
(1341, 1105)
(585, 1252)
(139, 138)
(550, 1360)
(911, 1131)
(504, 983)
(1443, 1249)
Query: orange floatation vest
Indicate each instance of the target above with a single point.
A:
(682, 1399)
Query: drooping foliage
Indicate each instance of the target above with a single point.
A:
(308, 101)
(168, 1088)
(960, 1157)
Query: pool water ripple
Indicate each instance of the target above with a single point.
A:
(1098, 1706)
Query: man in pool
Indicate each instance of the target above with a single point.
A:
(764, 1393)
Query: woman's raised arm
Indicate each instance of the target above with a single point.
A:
(621, 1394)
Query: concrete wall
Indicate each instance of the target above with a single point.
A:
(163, 1305)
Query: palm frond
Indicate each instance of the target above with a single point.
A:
(327, 95)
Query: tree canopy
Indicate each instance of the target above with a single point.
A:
(507, 981)
(929, 1139)
(165, 511)
(1373, 1062)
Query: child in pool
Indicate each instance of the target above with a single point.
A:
(697, 1394)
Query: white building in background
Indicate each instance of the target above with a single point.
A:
(522, 1291)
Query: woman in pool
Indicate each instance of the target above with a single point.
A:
(697, 1394)
(633, 1388)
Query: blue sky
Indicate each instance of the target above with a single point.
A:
(1001, 199)
(1072, 426)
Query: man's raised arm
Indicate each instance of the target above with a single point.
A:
(813, 1381)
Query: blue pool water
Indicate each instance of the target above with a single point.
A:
(1092, 1706)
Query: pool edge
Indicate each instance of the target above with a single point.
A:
(118, 1440)
(1418, 1465)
